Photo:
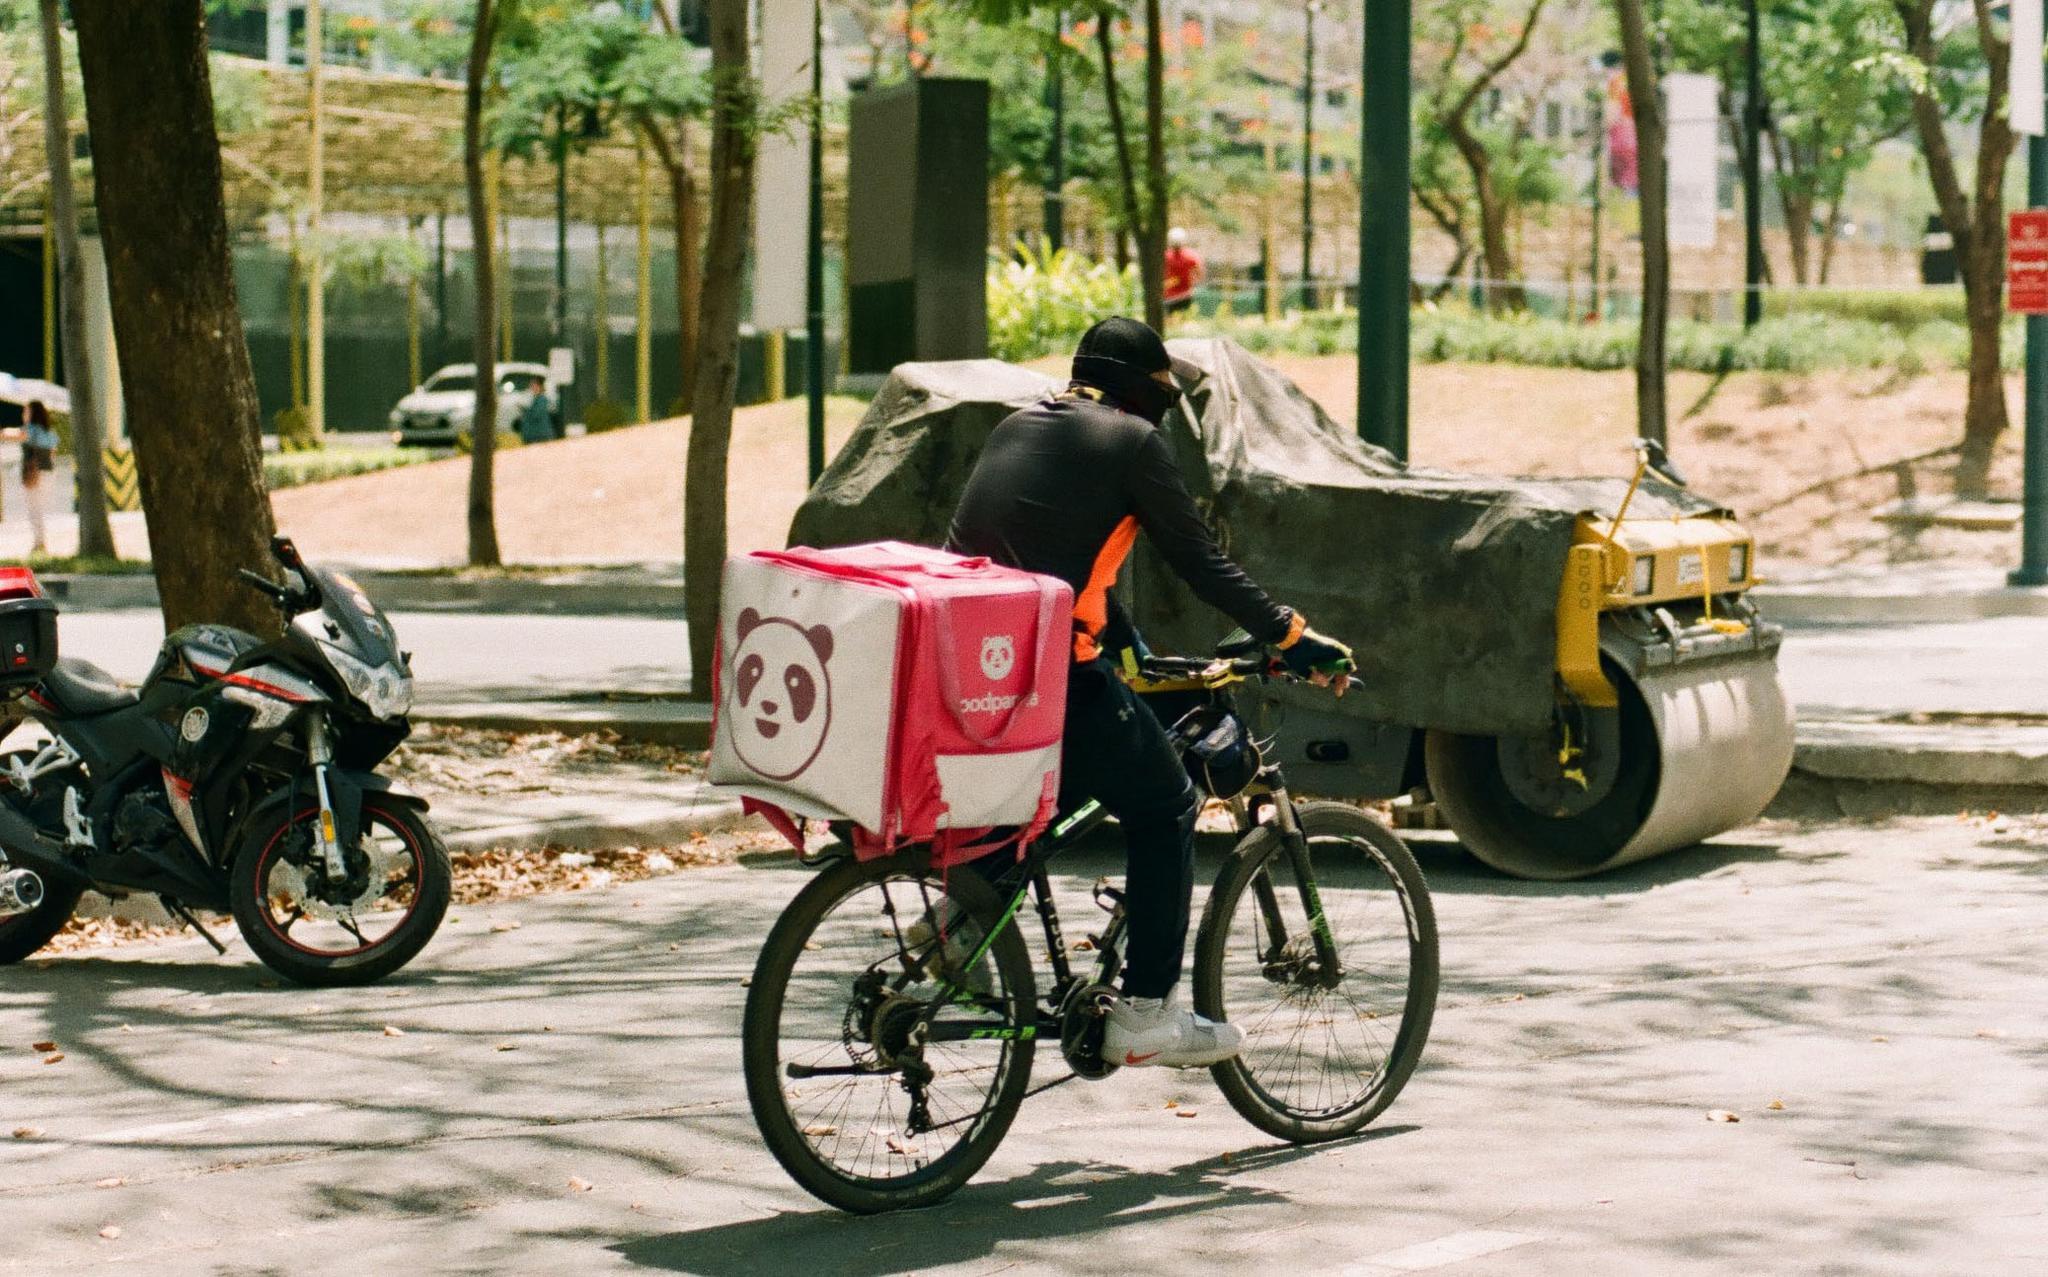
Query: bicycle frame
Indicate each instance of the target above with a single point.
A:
(1267, 796)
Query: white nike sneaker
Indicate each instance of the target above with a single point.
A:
(1146, 1031)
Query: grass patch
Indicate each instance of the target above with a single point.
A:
(293, 469)
(75, 565)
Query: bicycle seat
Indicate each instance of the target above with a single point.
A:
(79, 687)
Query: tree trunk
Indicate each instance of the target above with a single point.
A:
(1133, 219)
(689, 262)
(483, 426)
(95, 536)
(1830, 231)
(1649, 112)
(196, 426)
(1984, 418)
(1795, 200)
(1152, 231)
(725, 250)
(1977, 226)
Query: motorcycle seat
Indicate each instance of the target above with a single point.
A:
(82, 688)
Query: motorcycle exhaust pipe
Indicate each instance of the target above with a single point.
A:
(21, 890)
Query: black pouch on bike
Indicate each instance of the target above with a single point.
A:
(1218, 750)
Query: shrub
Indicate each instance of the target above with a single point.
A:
(1041, 304)
(295, 431)
(289, 470)
(605, 414)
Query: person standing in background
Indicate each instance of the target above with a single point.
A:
(1183, 271)
(38, 458)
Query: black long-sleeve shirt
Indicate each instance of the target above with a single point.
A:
(1063, 488)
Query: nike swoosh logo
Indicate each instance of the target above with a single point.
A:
(1139, 1059)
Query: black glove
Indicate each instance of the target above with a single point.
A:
(1318, 657)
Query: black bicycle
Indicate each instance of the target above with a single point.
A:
(894, 1012)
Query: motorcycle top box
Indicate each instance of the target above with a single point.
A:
(28, 630)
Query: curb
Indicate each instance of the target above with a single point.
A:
(654, 827)
(1937, 754)
(1975, 596)
(416, 592)
(680, 724)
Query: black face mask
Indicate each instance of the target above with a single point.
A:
(1136, 392)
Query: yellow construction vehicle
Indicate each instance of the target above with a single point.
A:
(1670, 724)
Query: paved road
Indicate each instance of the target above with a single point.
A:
(1883, 983)
(458, 656)
(1978, 666)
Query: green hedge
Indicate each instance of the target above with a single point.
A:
(291, 469)
(1784, 343)
(1901, 308)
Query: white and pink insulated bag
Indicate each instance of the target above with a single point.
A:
(915, 693)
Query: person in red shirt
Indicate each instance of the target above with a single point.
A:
(1183, 271)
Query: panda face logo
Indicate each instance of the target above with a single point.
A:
(998, 656)
(780, 705)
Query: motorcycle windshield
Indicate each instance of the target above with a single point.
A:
(365, 631)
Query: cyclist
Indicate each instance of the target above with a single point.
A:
(1063, 488)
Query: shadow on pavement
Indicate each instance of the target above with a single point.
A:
(1059, 1200)
(1450, 869)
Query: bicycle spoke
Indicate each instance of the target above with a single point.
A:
(1314, 1047)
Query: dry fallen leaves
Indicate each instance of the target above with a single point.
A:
(393, 1031)
(1721, 1115)
(818, 1130)
(27, 1132)
(1187, 1112)
(577, 1184)
(55, 1057)
(44, 1047)
(111, 1232)
(1776, 1106)
(111, 1181)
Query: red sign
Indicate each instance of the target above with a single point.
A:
(2026, 261)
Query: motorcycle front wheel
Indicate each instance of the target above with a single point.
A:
(314, 930)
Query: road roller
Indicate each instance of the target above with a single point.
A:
(1570, 672)
(1668, 724)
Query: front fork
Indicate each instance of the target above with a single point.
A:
(1289, 828)
(320, 752)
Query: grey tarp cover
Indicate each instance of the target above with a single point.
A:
(1445, 584)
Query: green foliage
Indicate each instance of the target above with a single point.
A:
(1902, 307)
(1009, 42)
(1836, 83)
(605, 414)
(295, 431)
(1808, 341)
(1042, 303)
(47, 565)
(506, 439)
(291, 469)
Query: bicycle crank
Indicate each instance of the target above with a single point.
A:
(1084, 1015)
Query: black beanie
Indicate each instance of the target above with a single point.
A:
(1118, 357)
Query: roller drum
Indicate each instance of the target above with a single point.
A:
(1694, 750)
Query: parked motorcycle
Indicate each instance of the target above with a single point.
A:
(240, 777)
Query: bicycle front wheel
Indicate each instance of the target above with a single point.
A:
(1331, 973)
(888, 1033)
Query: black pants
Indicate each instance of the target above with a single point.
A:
(1117, 753)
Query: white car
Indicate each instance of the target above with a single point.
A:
(438, 411)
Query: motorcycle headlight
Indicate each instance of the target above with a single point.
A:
(384, 690)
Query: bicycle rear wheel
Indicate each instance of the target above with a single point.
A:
(1327, 1048)
(887, 1042)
